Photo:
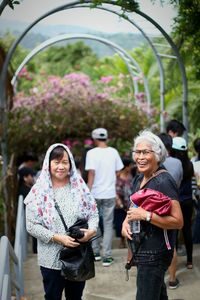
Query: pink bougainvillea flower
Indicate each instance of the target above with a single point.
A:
(88, 142)
(68, 143)
(140, 96)
(74, 143)
(136, 78)
(81, 78)
(23, 72)
(106, 79)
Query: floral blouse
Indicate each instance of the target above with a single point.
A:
(48, 251)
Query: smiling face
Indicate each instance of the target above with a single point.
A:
(59, 169)
(145, 159)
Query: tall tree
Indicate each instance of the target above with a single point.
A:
(187, 31)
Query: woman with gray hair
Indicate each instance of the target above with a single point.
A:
(155, 205)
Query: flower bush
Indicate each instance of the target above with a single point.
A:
(67, 110)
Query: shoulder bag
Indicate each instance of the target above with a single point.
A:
(78, 262)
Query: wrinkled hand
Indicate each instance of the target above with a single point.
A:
(126, 229)
(137, 213)
(88, 234)
(66, 240)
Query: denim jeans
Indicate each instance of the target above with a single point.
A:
(150, 282)
(106, 208)
(54, 284)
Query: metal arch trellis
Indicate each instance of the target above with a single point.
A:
(173, 47)
(157, 56)
(129, 61)
(3, 106)
(161, 70)
(181, 67)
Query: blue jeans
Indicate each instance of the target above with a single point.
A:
(106, 208)
(54, 284)
(150, 282)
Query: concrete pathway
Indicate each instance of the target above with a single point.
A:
(110, 284)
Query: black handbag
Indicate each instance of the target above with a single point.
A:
(78, 262)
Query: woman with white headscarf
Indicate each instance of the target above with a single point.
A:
(60, 182)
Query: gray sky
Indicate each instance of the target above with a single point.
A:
(95, 19)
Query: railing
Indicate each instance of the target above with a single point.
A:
(11, 260)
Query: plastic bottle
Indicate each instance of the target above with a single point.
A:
(135, 225)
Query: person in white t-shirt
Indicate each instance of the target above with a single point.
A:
(103, 163)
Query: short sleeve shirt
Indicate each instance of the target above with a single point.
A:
(153, 246)
(105, 162)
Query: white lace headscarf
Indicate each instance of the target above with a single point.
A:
(41, 196)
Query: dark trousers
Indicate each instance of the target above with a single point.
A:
(196, 225)
(54, 284)
(187, 210)
(119, 216)
(150, 282)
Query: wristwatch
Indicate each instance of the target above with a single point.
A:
(148, 216)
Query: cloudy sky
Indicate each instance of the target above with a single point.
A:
(96, 19)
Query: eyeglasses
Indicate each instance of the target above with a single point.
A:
(144, 152)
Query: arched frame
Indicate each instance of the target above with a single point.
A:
(3, 103)
(130, 62)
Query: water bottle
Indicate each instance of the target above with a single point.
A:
(135, 225)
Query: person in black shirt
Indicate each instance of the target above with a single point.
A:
(154, 251)
(179, 150)
(175, 128)
(26, 181)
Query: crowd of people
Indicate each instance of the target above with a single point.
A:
(113, 196)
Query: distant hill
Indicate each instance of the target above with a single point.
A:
(40, 33)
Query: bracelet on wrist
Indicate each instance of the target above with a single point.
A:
(149, 216)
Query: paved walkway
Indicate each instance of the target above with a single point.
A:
(110, 284)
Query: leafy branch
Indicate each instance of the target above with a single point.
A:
(10, 3)
(126, 5)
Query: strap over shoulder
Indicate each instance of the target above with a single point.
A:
(158, 172)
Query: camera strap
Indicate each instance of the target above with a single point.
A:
(66, 228)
